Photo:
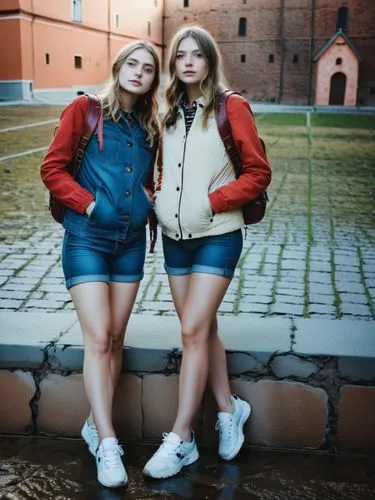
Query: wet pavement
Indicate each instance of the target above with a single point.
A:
(62, 469)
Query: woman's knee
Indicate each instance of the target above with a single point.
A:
(117, 342)
(193, 334)
(97, 339)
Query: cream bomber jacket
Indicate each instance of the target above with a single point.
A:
(191, 168)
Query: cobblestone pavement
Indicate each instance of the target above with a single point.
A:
(273, 277)
(312, 256)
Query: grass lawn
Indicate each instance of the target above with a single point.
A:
(17, 141)
(326, 171)
(11, 116)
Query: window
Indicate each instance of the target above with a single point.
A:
(243, 58)
(47, 58)
(242, 26)
(186, 3)
(295, 59)
(244, 2)
(117, 20)
(77, 11)
(338, 61)
(148, 28)
(342, 18)
(78, 62)
(271, 58)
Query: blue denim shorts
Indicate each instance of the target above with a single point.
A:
(89, 259)
(211, 254)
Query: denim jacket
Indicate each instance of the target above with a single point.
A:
(116, 176)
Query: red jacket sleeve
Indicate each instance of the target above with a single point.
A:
(54, 169)
(256, 172)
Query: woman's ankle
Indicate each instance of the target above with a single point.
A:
(225, 405)
(184, 434)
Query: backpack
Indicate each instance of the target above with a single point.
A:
(93, 115)
(254, 210)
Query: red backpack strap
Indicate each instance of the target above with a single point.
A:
(93, 121)
(225, 130)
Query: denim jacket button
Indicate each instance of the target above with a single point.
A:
(127, 193)
(129, 169)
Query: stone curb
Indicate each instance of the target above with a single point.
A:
(153, 344)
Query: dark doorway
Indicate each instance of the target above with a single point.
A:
(337, 91)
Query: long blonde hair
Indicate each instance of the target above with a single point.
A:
(211, 85)
(146, 104)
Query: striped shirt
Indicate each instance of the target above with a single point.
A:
(189, 113)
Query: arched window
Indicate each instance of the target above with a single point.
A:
(243, 57)
(342, 19)
(338, 61)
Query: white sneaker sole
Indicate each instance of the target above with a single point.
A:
(190, 459)
(87, 440)
(111, 484)
(241, 437)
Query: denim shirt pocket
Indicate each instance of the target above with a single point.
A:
(104, 214)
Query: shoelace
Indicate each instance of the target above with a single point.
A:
(168, 447)
(111, 456)
(225, 426)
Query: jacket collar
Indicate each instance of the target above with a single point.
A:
(180, 101)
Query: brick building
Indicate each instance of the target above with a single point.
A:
(289, 51)
(270, 47)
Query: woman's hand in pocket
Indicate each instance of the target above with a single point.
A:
(90, 208)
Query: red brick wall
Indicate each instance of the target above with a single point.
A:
(284, 28)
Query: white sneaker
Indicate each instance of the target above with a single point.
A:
(172, 455)
(111, 470)
(90, 435)
(230, 427)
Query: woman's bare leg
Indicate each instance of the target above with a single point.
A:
(121, 298)
(203, 296)
(103, 312)
(218, 371)
(91, 301)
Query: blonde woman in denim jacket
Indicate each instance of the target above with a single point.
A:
(107, 206)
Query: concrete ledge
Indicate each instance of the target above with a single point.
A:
(311, 383)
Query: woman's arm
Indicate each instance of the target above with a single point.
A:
(256, 173)
(54, 169)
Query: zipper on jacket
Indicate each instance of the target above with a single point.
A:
(182, 183)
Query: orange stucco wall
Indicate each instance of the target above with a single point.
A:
(11, 66)
(10, 4)
(326, 67)
(30, 35)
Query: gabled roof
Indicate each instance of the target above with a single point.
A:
(332, 40)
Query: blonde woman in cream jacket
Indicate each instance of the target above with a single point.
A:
(198, 204)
